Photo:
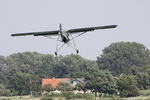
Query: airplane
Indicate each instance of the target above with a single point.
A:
(63, 35)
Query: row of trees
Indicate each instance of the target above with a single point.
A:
(21, 73)
(104, 83)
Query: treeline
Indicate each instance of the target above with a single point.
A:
(129, 62)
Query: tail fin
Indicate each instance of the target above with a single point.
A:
(60, 28)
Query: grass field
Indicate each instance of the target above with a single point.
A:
(28, 98)
(19, 98)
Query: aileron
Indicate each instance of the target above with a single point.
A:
(91, 28)
(22, 34)
(37, 33)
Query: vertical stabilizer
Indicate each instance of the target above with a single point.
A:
(60, 28)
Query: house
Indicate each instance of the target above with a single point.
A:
(53, 81)
(74, 81)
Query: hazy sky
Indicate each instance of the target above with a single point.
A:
(131, 16)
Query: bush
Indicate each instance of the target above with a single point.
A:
(52, 94)
(134, 91)
(89, 96)
(68, 95)
(80, 96)
(116, 99)
(37, 94)
(46, 98)
(145, 92)
(124, 93)
(5, 99)
(46, 94)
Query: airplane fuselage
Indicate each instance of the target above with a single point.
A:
(64, 36)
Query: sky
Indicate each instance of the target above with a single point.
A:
(17, 16)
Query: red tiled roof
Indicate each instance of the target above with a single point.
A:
(53, 81)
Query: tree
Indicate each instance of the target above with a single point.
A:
(48, 87)
(134, 91)
(124, 57)
(80, 86)
(20, 83)
(2, 89)
(143, 81)
(100, 81)
(35, 85)
(64, 86)
(125, 84)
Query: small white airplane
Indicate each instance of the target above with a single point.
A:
(64, 34)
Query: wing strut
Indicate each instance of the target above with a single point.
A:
(58, 49)
(78, 35)
(57, 45)
(74, 42)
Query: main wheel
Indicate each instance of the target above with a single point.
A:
(77, 51)
(56, 53)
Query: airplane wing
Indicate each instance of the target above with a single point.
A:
(91, 28)
(37, 33)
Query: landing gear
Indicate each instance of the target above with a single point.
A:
(56, 53)
(77, 51)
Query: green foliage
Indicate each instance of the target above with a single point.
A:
(124, 57)
(48, 87)
(115, 99)
(46, 98)
(80, 95)
(5, 99)
(52, 94)
(144, 92)
(2, 89)
(21, 73)
(89, 96)
(100, 81)
(7, 93)
(80, 86)
(127, 86)
(69, 95)
(20, 83)
(64, 86)
(143, 80)
(124, 93)
(37, 66)
(125, 81)
(133, 91)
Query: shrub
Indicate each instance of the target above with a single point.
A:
(80, 95)
(89, 96)
(46, 98)
(145, 92)
(116, 99)
(134, 91)
(124, 93)
(69, 95)
(52, 94)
